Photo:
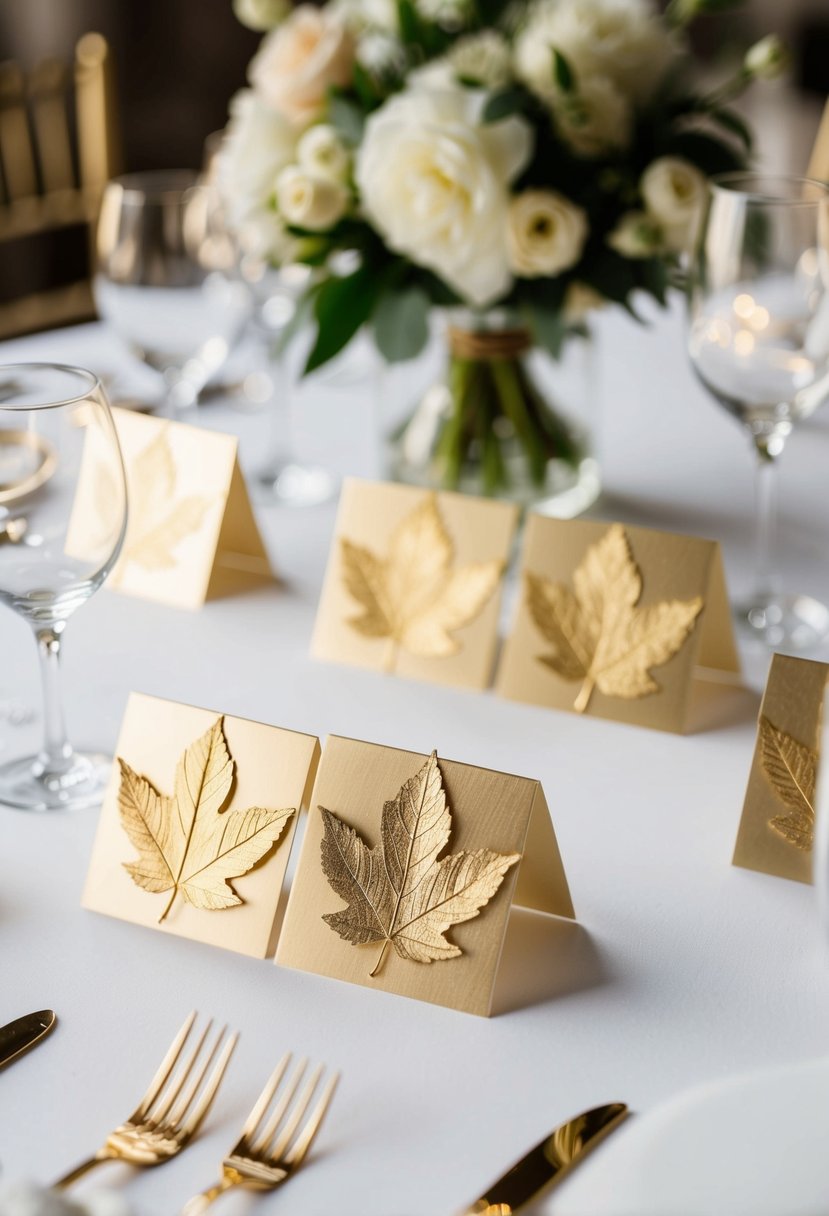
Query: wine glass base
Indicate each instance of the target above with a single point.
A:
(785, 622)
(294, 485)
(22, 787)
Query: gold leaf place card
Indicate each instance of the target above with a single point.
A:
(409, 867)
(615, 622)
(197, 824)
(191, 533)
(778, 821)
(413, 583)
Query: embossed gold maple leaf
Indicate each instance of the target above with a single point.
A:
(599, 636)
(398, 893)
(158, 522)
(413, 597)
(791, 770)
(187, 845)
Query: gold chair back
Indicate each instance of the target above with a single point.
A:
(58, 148)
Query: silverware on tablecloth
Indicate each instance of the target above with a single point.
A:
(272, 1147)
(550, 1161)
(169, 1114)
(23, 1033)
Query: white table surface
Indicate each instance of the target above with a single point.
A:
(683, 968)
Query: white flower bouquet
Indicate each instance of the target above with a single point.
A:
(533, 157)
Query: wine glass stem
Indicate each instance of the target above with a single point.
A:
(766, 514)
(55, 757)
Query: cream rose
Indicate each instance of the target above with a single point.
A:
(595, 119)
(434, 180)
(320, 150)
(623, 41)
(674, 191)
(545, 233)
(261, 15)
(768, 58)
(636, 235)
(309, 200)
(300, 60)
(484, 57)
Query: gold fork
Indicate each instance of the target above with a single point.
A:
(270, 1150)
(169, 1115)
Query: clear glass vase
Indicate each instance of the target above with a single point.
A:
(506, 420)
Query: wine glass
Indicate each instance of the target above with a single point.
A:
(57, 442)
(759, 342)
(167, 278)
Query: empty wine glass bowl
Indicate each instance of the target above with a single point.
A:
(167, 278)
(759, 342)
(63, 512)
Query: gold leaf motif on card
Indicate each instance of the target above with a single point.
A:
(414, 597)
(790, 768)
(187, 844)
(599, 637)
(398, 892)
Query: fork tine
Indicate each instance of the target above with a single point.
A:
(264, 1100)
(308, 1135)
(159, 1110)
(187, 1095)
(289, 1131)
(204, 1103)
(263, 1140)
(164, 1069)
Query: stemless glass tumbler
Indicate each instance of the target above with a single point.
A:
(759, 342)
(63, 513)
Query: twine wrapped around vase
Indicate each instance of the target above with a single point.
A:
(485, 345)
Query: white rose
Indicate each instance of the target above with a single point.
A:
(624, 41)
(675, 192)
(320, 150)
(434, 181)
(767, 59)
(309, 200)
(300, 60)
(595, 119)
(261, 15)
(636, 235)
(361, 16)
(381, 53)
(484, 57)
(450, 14)
(545, 233)
(258, 145)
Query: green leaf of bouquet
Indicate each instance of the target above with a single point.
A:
(655, 278)
(562, 72)
(548, 326)
(342, 306)
(612, 275)
(401, 324)
(735, 124)
(346, 116)
(707, 152)
(504, 103)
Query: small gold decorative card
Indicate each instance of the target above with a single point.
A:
(413, 584)
(615, 622)
(197, 824)
(408, 870)
(191, 533)
(777, 826)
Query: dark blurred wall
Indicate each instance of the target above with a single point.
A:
(177, 64)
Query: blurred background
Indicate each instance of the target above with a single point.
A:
(162, 74)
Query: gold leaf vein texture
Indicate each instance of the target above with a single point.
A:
(790, 768)
(414, 597)
(398, 893)
(187, 844)
(598, 636)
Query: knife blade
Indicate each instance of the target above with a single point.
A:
(23, 1033)
(550, 1161)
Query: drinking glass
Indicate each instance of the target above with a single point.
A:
(759, 342)
(58, 447)
(167, 278)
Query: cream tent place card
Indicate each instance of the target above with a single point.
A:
(777, 826)
(197, 824)
(615, 621)
(409, 867)
(414, 582)
(191, 535)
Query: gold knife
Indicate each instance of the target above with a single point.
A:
(549, 1161)
(23, 1033)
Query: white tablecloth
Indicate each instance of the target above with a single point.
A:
(683, 969)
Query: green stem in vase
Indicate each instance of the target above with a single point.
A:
(511, 392)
